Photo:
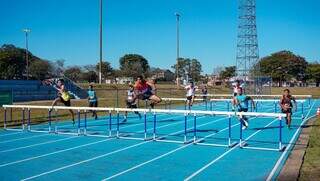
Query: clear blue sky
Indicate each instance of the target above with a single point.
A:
(69, 29)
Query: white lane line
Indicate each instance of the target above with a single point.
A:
(84, 161)
(275, 168)
(168, 153)
(38, 144)
(1, 135)
(163, 155)
(224, 154)
(18, 139)
(52, 153)
(40, 156)
(100, 156)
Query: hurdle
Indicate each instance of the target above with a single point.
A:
(229, 102)
(276, 96)
(154, 135)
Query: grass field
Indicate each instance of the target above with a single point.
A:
(311, 165)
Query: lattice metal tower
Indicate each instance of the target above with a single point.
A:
(247, 43)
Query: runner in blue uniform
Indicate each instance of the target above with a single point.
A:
(241, 102)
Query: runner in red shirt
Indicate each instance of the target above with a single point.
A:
(144, 91)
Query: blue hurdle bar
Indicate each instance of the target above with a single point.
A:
(118, 122)
(145, 125)
(49, 119)
(29, 119)
(195, 128)
(23, 119)
(110, 121)
(154, 125)
(5, 118)
(79, 118)
(185, 127)
(85, 122)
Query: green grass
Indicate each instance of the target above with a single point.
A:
(311, 165)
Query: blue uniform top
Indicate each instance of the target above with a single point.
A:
(92, 96)
(243, 101)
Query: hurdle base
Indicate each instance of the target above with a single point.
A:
(243, 144)
(211, 144)
(232, 144)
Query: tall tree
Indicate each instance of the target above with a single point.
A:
(283, 65)
(228, 72)
(40, 69)
(73, 73)
(313, 72)
(133, 65)
(13, 62)
(106, 69)
(190, 67)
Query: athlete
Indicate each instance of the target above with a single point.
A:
(131, 102)
(191, 90)
(286, 105)
(93, 100)
(241, 102)
(63, 97)
(204, 92)
(144, 91)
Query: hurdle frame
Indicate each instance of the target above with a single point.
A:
(155, 138)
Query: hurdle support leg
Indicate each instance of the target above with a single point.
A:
(281, 147)
(79, 131)
(185, 129)
(241, 142)
(23, 118)
(194, 128)
(110, 126)
(55, 125)
(49, 120)
(154, 126)
(118, 124)
(85, 122)
(29, 119)
(230, 145)
(302, 109)
(5, 119)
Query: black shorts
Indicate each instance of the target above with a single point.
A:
(189, 98)
(66, 103)
(93, 104)
(131, 105)
(287, 111)
(243, 110)
(146, 95)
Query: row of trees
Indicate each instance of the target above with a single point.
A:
(13, 66)
(282, 66)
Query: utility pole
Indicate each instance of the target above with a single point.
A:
(100, 64)
(178, 47)
(27, 31)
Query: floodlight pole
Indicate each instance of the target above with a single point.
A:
(178, 47)
(100, 64)
(27, 31)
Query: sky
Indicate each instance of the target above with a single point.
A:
(69, 29)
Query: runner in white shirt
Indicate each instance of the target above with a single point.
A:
(131, 102)
(191, 90)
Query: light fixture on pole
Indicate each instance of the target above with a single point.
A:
(27, 31)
